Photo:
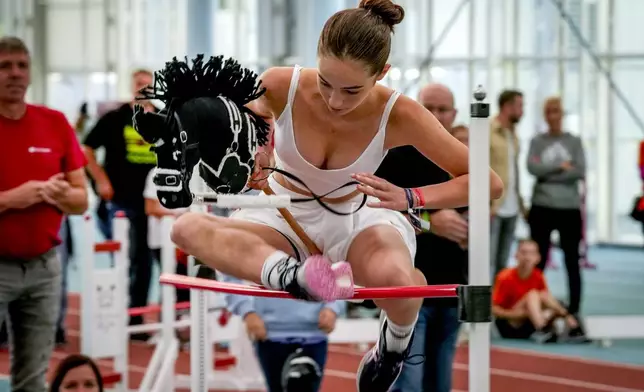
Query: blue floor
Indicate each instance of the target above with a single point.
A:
(616, 287)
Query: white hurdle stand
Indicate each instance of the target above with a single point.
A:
(105, 333)
(104, 295)
(160, 374)
(205, 331)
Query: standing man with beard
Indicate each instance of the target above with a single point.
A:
(504, 160)
(441, 256)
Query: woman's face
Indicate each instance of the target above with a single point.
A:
(344, 83)
(80, 379)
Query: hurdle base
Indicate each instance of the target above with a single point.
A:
(227, 380)
(605, 329)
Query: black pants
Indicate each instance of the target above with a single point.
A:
(182, 295)
(568, 223)
(272, 358)
(139, 254)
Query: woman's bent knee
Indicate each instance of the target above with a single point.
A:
(380, 257)
(389, 269)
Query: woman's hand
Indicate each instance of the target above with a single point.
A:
(259, 178)
(255, 327)
(389, 195)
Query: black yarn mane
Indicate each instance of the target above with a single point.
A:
(178, 83)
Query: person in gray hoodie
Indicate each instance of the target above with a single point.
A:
(556, 159)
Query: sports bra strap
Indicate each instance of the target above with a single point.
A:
(390, 105)
(294, 82)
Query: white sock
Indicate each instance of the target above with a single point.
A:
(273, 271)
(397, 336)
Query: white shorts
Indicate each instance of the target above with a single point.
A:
(332, 233)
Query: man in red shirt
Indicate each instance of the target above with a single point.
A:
(521, 302)
(42, 179)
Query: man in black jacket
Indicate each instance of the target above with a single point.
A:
(441, 255)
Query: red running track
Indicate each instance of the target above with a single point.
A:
(512, 370)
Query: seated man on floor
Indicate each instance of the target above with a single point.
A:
(523, 306)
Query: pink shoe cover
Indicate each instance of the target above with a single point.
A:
(328, 282)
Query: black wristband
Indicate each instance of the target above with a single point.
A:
(410, 198)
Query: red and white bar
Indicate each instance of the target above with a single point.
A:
(188, 282)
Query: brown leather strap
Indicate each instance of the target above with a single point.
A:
(329, 200)
(290, 219)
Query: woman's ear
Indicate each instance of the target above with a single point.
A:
(383, 73)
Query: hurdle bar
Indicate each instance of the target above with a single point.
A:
(241, 201)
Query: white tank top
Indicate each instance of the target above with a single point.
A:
(321, 181)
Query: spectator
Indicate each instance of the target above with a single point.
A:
(523, 306)
(556, 159)
(462, 133)
(76, 373)
(121, 181)
(440, 255)
(641, 161)
(42, 179)
(504, 160)
(279, 327)
(637, 213)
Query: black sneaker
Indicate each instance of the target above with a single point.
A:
(4, 337)
(577, 335)
(543, 336)
(379, 368)
(177, 155)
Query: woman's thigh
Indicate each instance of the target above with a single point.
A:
(263, 224)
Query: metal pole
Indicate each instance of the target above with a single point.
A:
(479, 236)
(439, 40)
(598, 63)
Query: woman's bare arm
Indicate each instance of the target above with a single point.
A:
(269, 106)
(414, 125)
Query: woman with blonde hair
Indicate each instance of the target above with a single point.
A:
(556, 159)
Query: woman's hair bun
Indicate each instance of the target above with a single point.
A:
(390, 12)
